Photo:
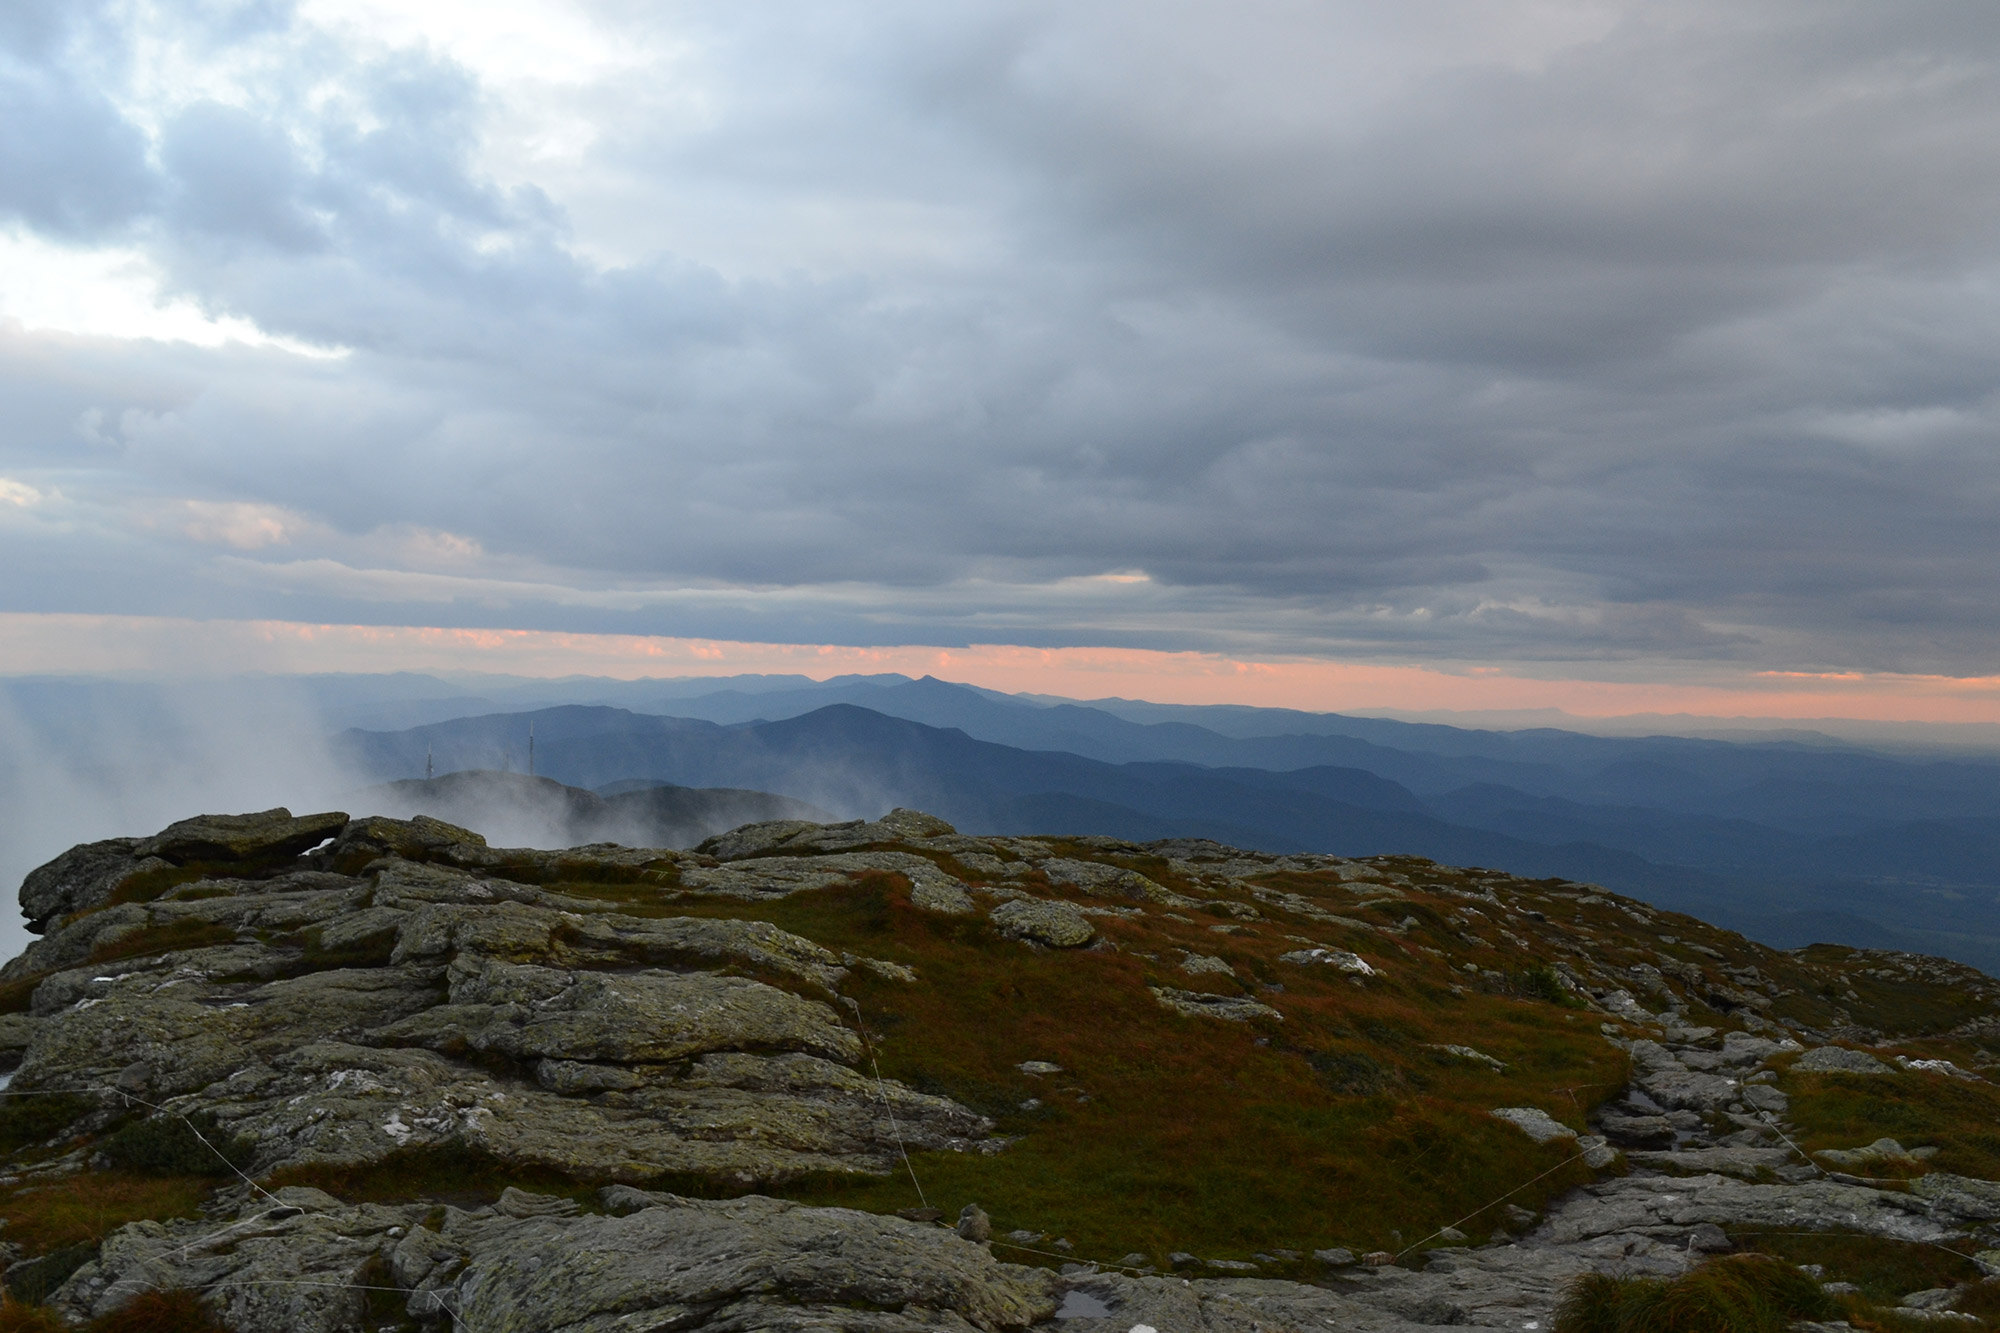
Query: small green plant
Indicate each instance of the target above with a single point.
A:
(1350, 1072)
(1744, 1293)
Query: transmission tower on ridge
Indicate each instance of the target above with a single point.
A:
(429, 769)
(531, 749)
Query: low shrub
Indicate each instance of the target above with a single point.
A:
(33, 1280)
(1541, 982)
(1745, 1293)
(171, 1145)
(28, 1119)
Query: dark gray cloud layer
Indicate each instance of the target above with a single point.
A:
(1560, 331)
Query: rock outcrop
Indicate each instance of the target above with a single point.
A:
(389, 993)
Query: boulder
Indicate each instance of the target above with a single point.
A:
(939, 892)
(84, 876)
(418, 839)
(1039, 921)
(1881, 1152)
(1839, 1060)
(1114, 881)
(1536, 1123)
(1637, 1131)
(1202, 964)
(268, 836)
(1743, 1048)
(1763, 1097)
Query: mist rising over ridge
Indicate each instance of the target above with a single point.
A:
(519, 810)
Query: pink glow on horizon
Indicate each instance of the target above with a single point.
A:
(61, 644)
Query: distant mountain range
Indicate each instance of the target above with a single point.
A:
(1787, 841)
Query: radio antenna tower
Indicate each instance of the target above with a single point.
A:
(531, 749)
(429, 769)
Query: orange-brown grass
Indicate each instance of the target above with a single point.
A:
(1959, 1117)
(1983, 1300)
(1168, 1132)
(84, 1209)
(160, 1312)
(1747, 1293)
(20, 1317)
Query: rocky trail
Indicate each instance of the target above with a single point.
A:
(404, 1080)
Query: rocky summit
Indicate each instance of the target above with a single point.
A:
(277, 1072)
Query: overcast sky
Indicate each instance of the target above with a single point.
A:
(1650, 338)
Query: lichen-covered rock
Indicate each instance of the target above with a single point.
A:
(1039, 921)
(1097, 877)
(407, 995)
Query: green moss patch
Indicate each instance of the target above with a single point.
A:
(457, 1175)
